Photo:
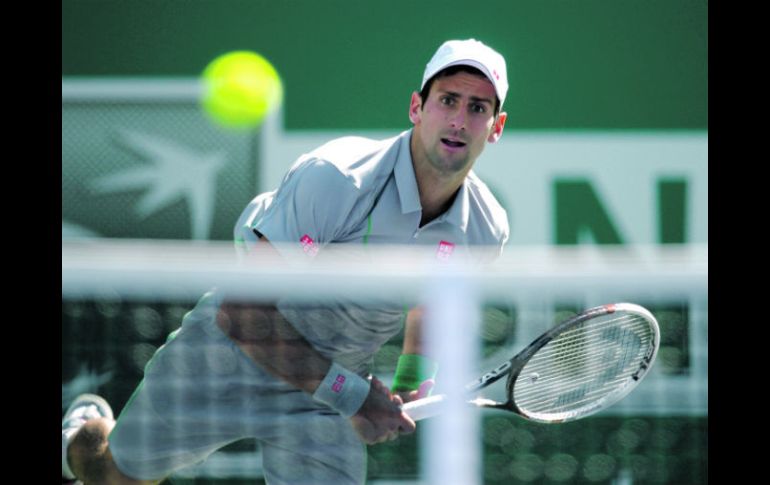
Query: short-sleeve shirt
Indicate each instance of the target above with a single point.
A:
(355, 190)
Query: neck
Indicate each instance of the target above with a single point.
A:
(437, 189)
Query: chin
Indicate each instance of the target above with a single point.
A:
(450, 165)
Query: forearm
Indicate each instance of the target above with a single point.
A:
(413, 332)
(415, 371)
(262, 333)
(266, 337)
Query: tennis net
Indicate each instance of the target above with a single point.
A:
(122, 298)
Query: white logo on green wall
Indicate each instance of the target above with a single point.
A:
(174, 172)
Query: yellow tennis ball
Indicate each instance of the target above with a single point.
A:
(240, 88)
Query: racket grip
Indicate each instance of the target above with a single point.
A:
(425, 408)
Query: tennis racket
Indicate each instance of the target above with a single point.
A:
(579, 367)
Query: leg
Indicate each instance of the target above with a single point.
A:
(90, 458)
(287, 467)
(192, 401)
(313, 448)
(173, 419)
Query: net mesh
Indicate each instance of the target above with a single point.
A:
(122, 299)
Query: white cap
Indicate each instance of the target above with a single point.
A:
(473, 53)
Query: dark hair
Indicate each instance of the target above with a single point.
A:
(451, 71)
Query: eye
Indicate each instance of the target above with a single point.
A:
(478, 108)
(447, 100)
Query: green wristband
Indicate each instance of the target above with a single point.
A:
(411, 371)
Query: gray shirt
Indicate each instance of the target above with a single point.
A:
(355, 190)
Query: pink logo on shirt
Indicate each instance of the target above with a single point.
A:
(445, 250)
(338, 383)
(308, 245)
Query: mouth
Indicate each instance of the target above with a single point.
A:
(452, 142)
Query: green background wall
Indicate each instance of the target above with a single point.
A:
(575, 65)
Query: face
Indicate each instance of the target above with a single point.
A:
(457, 120)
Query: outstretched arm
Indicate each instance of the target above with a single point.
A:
(265, 336)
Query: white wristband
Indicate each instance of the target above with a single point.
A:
(342, 390)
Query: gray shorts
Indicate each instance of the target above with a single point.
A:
(200, 393)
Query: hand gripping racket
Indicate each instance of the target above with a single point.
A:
(581, 366)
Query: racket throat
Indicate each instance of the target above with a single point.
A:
(490, 377)
(483, 402)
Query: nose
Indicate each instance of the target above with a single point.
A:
(456, 118)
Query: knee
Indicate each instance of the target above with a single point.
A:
(90, 457)
(88, 452)
(92, 437)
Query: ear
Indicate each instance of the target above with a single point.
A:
(415, 108)
(497, 129)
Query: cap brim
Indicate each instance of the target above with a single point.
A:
(466, 62)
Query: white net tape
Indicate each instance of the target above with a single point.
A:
(145, 268)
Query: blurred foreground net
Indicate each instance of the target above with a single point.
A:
(121, 300)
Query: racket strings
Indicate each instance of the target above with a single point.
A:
(596, 324)
(562, 399)
(573, 353)
(574, 371)
(546, 398)
(570, 399)
(588, 332)
(568, 353)
(576, 404)
(565, 352)
(583, 364)
(577, 377)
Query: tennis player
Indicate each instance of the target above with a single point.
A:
(294, 376)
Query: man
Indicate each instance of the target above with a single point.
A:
(293, 376)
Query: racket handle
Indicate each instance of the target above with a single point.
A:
(425, 408)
